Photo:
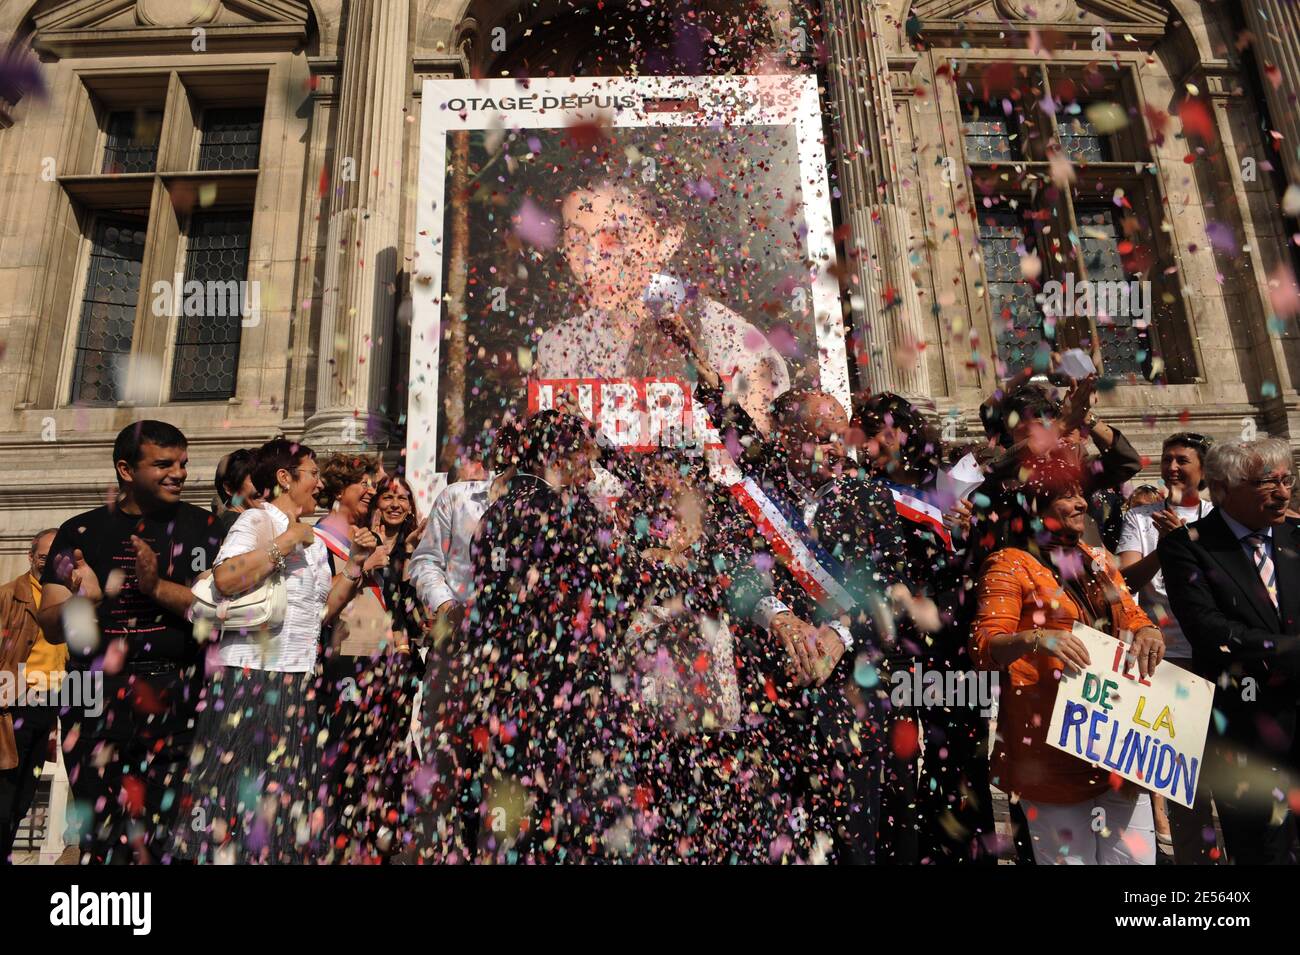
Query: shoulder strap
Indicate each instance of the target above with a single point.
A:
(815, 570)
(342, 551)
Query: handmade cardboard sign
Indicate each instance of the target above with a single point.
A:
(1150, 731)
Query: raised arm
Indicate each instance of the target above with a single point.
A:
(1137, 569)
(348, 580)
(1119, 460)
(66, 575)
(173, 597)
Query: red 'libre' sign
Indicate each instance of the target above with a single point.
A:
(636, 414)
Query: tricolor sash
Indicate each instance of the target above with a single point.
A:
(342, 550)
(912, 506)
(815, 570)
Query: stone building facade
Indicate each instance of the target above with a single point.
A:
(275, 143)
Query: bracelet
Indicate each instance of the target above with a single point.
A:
(277, 558)
(359, 575)
(842, 632)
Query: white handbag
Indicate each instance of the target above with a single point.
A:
(260, 608)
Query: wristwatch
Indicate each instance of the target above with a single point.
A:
(843, 632)
(1091, 419)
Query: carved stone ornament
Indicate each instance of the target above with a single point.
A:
(1043, 11)
(176, 13)
(1153, 13)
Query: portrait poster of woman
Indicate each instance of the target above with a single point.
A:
(557, 222)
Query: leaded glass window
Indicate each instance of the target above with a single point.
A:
(232, 139)
(1081, 141)
(1117, 302)
(1017, 320)
(132, 140)
(987, 135)
(207, 337)
(108, 311)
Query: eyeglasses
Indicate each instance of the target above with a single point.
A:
(314, 473)
(1273, 483)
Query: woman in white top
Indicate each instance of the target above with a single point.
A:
(249, 795)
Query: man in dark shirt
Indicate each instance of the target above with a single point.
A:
(116, 589)
(828, 725)
(539, 659)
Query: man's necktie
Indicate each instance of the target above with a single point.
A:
(1264, 564)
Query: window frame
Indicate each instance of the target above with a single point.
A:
(93, 194)
(74, 379)
(1170, 337)
(174, 343)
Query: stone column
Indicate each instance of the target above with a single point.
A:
(887, 310)
(1275, 25)
(1268, 348)
(363, 242)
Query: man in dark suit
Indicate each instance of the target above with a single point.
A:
(834, 718)
(1233, 580)
(820, 679)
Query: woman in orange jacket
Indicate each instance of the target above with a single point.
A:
(1029, 599)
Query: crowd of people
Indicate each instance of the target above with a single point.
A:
(695, 672)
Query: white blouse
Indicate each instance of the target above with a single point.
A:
(291, 647)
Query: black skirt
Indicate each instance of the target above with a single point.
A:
(250, 792)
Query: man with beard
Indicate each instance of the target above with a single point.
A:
(116, 588)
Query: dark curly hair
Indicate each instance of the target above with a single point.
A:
(281, 454)
(412, 519)
(551, 436)
(922, 452)
(1031, 401)
(231, 472)
(339, 471)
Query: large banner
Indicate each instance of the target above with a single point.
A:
(558, 218)
(1150, 731)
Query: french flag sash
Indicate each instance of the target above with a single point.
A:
(912, 506)
(816, 571)
(341, 549)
